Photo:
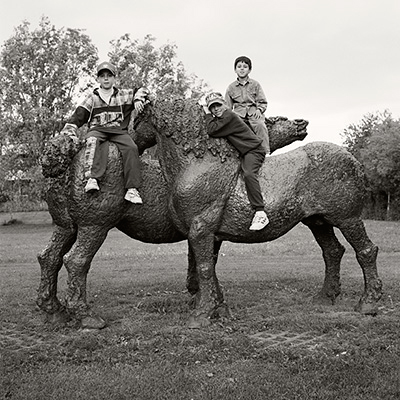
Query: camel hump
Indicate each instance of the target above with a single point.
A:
(335, 159)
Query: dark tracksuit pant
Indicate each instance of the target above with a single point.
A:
(251, 164)
(261, 130)
(129, 152)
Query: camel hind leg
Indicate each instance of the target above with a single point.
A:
(366, 253)
(51, 260)
(332, 252)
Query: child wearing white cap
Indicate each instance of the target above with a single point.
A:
(223, 122)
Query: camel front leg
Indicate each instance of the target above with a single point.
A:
(192, 280)
(209, 296)
(51, 261)
(77, 262)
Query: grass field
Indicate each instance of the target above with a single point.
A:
(278, 345)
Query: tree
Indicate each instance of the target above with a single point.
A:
(375, 142)
(142, 64)
(355, 136)
(42, 71)
(381, 160)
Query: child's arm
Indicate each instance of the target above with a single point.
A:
(216, 127)
(228, 99)
(140, 98)
(82, 114)
(261, 100)
(78, 118)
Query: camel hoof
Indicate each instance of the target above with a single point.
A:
(59, 318)
(323, 299)
(193, 288)
(198, 321)
(366, 308)
(93, 322)
(224, 312)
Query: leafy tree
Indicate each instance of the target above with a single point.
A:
(40, 74)
(381, 159)
(355, 136)
(375, 142)
(143, 64)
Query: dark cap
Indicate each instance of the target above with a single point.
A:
(106, 66)
(243, 59)
(214, 98)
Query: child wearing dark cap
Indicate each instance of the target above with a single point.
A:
(223, 122)
(107, 111)
(246, 97)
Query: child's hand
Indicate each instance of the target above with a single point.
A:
(139, 106)
(202, 102)
(257, 114)
(74, 138)
(206, 109)
(70, 131)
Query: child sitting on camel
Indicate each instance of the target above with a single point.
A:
(223, 122)
(107, 111)
(246, 97)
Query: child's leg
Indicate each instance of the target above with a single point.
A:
(96, 154)
(251, 164)
(259, 127)
(130, 159)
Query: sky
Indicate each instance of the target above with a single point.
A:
(330, 62)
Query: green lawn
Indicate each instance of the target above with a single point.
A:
(147, 352)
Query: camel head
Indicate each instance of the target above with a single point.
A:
(283, 131)
(57, 156)
(144, 133)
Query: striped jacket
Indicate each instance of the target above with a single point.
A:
(98, 114)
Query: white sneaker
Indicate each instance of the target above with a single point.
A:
(133, 196)
(91, 185)
(260, 221)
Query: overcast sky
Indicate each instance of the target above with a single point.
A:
(327, 61)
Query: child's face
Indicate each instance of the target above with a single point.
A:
(106, 79)
(242, 69)
(218, 109)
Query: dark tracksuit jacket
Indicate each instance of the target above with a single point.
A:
(232, 127)
(109, 122)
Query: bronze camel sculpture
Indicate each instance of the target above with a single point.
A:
(82, 221)
(319, 184)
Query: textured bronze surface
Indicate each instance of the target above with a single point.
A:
(195, 192)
